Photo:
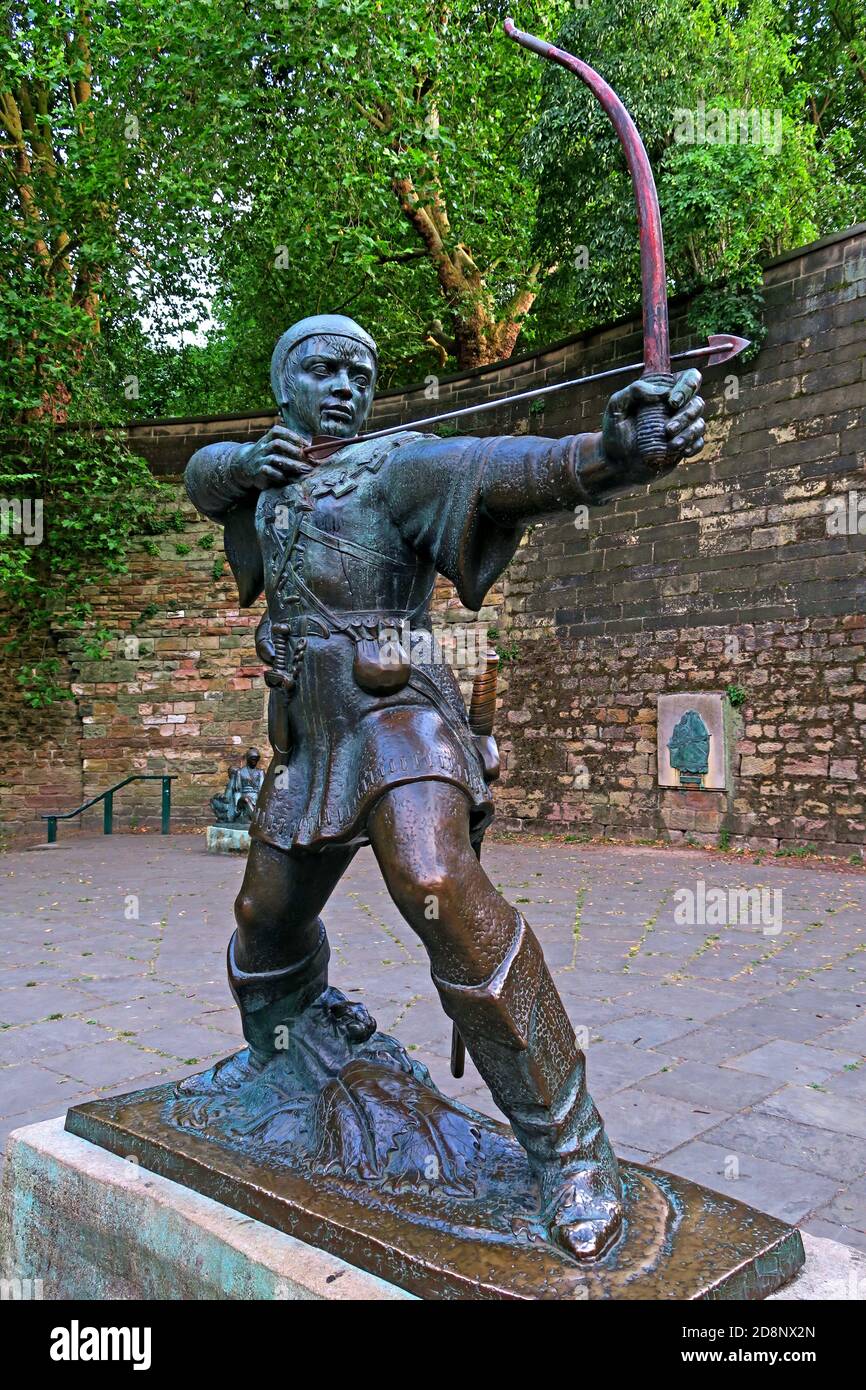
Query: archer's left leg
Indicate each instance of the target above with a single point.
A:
(493, 982)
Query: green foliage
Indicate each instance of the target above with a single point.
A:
(728, 203)
(95, 644)
(165, 166)
(98, 499)
(42, 683)
(96, 219)
(736, 302)
(149, 611)
(736, 695)
(262, 162)
(506, 651)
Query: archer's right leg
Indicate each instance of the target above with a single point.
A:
(278, 956)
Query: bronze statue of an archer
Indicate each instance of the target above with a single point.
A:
(323, 1126)
(375, 747)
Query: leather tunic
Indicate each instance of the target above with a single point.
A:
(349, 555)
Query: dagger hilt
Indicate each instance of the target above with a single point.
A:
(282, 675)
(482, 706)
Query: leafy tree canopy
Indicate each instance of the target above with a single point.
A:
(163, 161)
(754, 117)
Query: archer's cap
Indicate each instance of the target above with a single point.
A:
(316, 326)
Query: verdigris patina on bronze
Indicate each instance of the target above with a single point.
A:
(322, 1125)
(473, 1233)
(689, 748)
(237, 804)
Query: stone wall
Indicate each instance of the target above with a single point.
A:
(40, 758)
(728, 573)
(725, 574)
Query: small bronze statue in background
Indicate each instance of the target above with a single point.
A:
(372, 743)
(237, 804)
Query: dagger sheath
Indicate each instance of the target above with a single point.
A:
(482, 709)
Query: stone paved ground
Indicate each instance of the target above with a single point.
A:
(729, 1054)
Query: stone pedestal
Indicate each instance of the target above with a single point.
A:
(91, 1225)
(227, 839)
(81, 1223)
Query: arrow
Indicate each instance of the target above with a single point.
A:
(720, 347)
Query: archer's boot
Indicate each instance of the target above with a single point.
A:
(268, 1000)
(519, 1035)
(296, 1004)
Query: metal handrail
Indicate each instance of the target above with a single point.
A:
(107, 797)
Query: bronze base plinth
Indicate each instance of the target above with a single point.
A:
(474, 1236)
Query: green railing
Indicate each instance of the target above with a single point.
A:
(107, 798)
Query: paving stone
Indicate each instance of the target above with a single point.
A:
(27, 974)
(823, 1003)
(611, 1065)
(101, 1064)
(482, 1100)
(850, 1038)
(160, 982)
(779, 1139)
(850, 1084)
(689, 1002)
(654, 1123)
(628, 1153)
(646, 1030)
(138, 1014)
(814, 1107)
(33, 1005)
(714, 1043)
(699, 1084)
(26, 1086)
(783, 1191)
(167, 1069)
(591, 1013)
(848, 1208)
(774, 1019)
(440, 1071)
(788, 1061)
(188, 1040)
(603, 984)
(40, 1040)
(847, 1235)
(109, 967)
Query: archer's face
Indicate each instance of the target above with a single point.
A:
(332, 388)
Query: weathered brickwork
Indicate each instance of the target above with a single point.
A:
(579, 733)
(40, 765)
(732, 572)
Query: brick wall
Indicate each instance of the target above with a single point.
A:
(724, 574)
(40, 762)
